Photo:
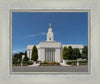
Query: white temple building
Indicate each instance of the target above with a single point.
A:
(50, 50)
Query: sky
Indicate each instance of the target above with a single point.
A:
(29, 28)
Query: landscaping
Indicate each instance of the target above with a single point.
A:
(85, 62)
(25, 63)
(45, 63)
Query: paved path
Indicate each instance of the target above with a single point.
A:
(50, 69)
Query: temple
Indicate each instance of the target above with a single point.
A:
(50, 50)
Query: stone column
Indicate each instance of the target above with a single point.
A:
(57, 55)
(28, 53)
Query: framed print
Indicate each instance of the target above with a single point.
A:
(49, 42)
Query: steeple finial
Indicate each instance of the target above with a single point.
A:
(50, 25)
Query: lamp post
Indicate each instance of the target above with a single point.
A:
(77, 64)
(22, 60)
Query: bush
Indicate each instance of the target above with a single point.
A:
(69, 63)
(54, 62)
(72, 63)
(45, 62)
(16, 62)
(24, 62)
(29, 62)
(83, 62)
(75, 62)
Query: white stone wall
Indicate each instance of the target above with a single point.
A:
(41, 54)
(51, 44)
(39, 57)
(57, 55)
(29, 52)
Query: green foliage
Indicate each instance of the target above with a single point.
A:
(65, 53)
(17, 57)
(71, 62)
(70, 57)
(34, 56)
(26, 58)
(45, 63)
(85, 52)
(75, 62)
(55, 62)
(29, 62)
(76, 54)
(16, 62)
(24, 62)
(85, 61)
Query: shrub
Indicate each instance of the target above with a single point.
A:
(16, 62)
(83, 62)
(45, 62)
(72, 63)
(75, 62)
(69, 63)
(54, 62)
(24, 62)
(29, 62)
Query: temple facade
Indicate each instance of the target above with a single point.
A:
(50, 50)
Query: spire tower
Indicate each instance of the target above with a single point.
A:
(50, 35)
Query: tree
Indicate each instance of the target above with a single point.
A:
(17, 57)
(65, 53)
(70, 57)
(34, 56)
(26, 58)
(76, 54)
(85, 52)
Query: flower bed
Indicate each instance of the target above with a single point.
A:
(49, 63)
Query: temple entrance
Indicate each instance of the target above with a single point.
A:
(49, 54)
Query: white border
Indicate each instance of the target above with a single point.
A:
(6, 78)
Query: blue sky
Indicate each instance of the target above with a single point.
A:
(29, 28)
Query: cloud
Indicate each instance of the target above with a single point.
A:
(19, 50)
(43, 33)
(34, 35)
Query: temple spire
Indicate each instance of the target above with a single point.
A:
(50, 35)
(50, 25)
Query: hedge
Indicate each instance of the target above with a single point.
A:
(45, 63)
(24, 63)
(75, 62)
(29, 62)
